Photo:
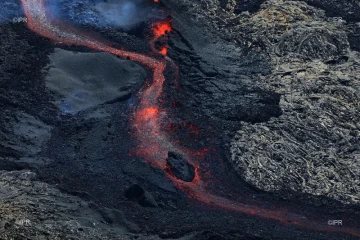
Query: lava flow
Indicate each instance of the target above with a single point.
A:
(160, 31)
(154, 142)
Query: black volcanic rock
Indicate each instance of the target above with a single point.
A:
(138, 193)
(180, 167)
(134, 192)
(220, 78)
(348, 10)
(85, 80)
(248, 5)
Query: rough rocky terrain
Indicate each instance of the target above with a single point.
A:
(312, 47)
(277, 81)
(314, 146)
(31, 209)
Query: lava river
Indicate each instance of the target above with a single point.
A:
(154, 143)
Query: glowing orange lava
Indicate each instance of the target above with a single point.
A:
(161, 28)
(163, 51)
(154, 143)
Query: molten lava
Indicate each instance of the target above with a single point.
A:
(164, 50)
(154, 143)
(161, 28)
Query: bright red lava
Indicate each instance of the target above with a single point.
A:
(155, 143)
(161, 28)
(163, 51)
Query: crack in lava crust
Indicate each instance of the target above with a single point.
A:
(154, 142)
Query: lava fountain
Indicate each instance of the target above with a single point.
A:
(154, 143)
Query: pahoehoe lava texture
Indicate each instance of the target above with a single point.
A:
(313, 147)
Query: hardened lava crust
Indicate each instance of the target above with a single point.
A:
(267, 92)
(313, 146)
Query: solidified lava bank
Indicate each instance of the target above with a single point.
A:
(171, 124)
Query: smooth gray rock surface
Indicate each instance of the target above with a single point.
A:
(84, 80)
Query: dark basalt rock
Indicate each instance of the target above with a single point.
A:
(354, 37)
(138, 193)
(180, 167)
(85, 80)
(134, 192)
(248, 5)
(348, 10)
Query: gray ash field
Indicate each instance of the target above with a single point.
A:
(267, 92)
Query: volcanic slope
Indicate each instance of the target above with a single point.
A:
(80, 153)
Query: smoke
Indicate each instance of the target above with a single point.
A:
(10, 10)
(53, 7)
(124, 13)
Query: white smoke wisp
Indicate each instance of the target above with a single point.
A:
(124, 13)
(10, 12)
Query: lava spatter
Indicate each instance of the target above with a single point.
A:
(154, 143)
(164, 50)
(160, 30)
